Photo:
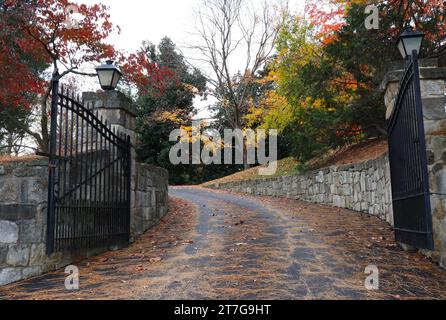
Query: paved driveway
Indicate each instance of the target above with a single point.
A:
(220, 245)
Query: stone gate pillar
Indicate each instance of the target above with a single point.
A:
(116, 108)
(432, 79)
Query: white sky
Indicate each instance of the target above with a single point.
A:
(154, 19)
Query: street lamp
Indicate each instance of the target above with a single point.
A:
(410, 41)
(109, 75)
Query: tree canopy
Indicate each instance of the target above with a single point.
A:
(327, 73)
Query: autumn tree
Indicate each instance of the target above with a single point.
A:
(167, 87)
(232, 30)
(21, 64)
(327, 73)
(355, 49)
(44, 36)
(330, 16)
(300, 108)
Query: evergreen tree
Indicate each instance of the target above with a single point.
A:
(162, 111)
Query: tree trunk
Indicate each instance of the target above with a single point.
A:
(10, 143)
(246, 165)
(44, 143)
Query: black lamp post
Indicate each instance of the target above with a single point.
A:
(109, 75)
(410, 41)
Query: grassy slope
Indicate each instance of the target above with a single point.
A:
(343, 156)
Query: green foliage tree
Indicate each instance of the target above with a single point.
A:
(327, 83)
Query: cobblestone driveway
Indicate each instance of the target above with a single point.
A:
(219, 245)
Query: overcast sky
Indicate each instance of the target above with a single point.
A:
(154, 19)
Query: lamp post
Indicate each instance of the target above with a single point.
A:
(109, 75)
(410, 42)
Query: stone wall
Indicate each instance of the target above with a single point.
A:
(23, 216)
(23, 205)
(149, 197)
(363, 187)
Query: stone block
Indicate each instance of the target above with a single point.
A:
(31, 272)
(15, 212)
(30, 232)
(431, 127)
(363, 181)
(10, 190)
(37, 255)
(320, 177)
(338, 201)
(3, 253)
(148, 213)
(434, 108)
(347, 190)
(18, 255)
(27, 171)
(9, 232)
(10, 275)
(440, 182)
(432, 88)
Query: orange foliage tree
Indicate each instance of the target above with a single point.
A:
(329, 16)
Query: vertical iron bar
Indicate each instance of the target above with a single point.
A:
(65, 152)
(52, 163)
(84, 230)
(87, 207)
(60, 219)
(129, 180)
(77, 179)
(114, 157)
(70, 181)
(91, 161)
(97, 169)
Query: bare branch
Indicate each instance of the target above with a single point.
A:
(235, 29)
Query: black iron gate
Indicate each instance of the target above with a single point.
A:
(408, 163)
(89, 183)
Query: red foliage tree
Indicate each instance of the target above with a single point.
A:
(43, 34)
(327, 16)
(18, 55)
(146, 75)
(37, 30)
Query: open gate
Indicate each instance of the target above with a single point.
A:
(89, 183)
(408, 163)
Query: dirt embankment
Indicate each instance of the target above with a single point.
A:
(350, 154)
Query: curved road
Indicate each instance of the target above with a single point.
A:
(219, 245)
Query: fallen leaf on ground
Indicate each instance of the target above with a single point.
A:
(155, 260)
(139, 268)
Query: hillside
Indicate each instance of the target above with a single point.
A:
(342, 156)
